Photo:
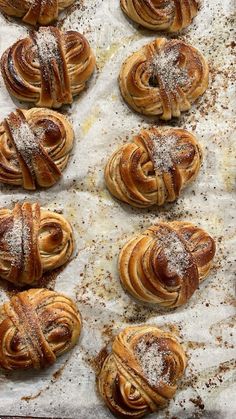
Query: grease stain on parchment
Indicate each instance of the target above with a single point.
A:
(87, 124)
(229, 168)
(104, 55)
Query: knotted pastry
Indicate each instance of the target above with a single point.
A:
(154, 168)
(34, 147)
(32, 241)
(37, 326)
(141, 373)
(49, 67)
(35, 12)
(168, 15)
(166, 263)
(164, 78)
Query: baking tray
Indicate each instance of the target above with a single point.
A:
(102, 225)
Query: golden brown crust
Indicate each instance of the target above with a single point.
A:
(34, 147)
(42, 12)
(32, 241)
(157, 15)
(36, 326)
(154, 168)
(49, 67)
(141, 373)
(164, 78)
(165, 264)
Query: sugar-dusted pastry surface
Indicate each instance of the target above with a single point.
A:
(164, 78)
(37, 326)
(154, 167)
(49, 67)
(142, 371)
(32, 241)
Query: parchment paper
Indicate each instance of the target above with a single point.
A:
(102, 225)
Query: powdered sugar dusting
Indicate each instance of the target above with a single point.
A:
(13, 239)
(47, 45)
(166, 70)
(152, 360)
(163, 151)
(178, 258)
(26, 142)
(170, 7)
(17, 239)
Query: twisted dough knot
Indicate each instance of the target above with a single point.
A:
(32, 241)
(141, 372)
(165, 264)
(34, 147)
(163, 78)
(169, 15)
(48, 68)
(35, 11)
(36, 326)
(154, 168)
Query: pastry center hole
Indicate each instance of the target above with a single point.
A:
(153, 81)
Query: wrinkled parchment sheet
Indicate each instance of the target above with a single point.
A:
(102, 225)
